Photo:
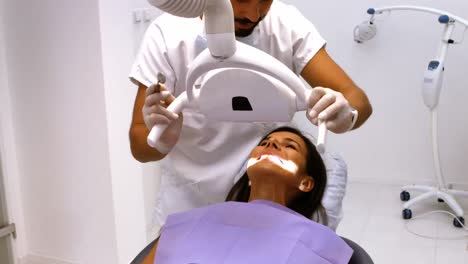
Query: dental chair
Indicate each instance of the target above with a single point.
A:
(359, 256)
(336, 167)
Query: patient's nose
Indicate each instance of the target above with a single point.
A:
(271, 144)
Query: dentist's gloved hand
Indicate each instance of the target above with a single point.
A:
(331, 106)
(158, 98)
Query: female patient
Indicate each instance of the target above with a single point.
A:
(283, 185)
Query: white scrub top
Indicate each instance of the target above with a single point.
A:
(203, 166)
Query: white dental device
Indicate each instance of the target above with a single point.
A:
(240, 83)
(432, 83)
(433, 76)
(431, 88)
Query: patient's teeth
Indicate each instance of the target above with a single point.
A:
(285, 164)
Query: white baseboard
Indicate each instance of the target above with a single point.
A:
(389, 181)
(401, 182)
(34, 259)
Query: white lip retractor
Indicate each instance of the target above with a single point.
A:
(284, 164)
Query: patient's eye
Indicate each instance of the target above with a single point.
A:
(291, 146)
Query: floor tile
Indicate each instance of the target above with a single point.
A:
(372, 218)
(352, 226)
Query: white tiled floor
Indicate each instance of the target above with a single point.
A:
(372, 218)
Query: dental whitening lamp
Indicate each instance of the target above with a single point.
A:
(431, 87)
(240, 83)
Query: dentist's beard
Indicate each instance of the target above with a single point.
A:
(244, 32)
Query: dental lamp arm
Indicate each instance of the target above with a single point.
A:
(377, 11)
(219, 21)
(367, 29)
(433, 75)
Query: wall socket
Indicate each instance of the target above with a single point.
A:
(143, 15)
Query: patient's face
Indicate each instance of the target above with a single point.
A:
(280, 156)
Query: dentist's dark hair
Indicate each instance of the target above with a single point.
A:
(307, 203)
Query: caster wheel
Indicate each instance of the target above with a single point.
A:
(456, 222)
(407, 214)
(404, 196)
(440, 200)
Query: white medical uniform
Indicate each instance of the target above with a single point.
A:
(209, 156)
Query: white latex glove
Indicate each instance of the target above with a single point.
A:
(158, 98)
(331, 107)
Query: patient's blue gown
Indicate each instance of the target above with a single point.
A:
(259, 232)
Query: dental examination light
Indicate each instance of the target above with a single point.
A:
(431, 87)
(365, 31)
(239, 83)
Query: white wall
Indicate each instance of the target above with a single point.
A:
(58, 105)
(68, 65)
(395, 145)
(8, 148)
(133, 186)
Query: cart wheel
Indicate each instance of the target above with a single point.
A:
(404, 196)
(459, 222)
(407, 214)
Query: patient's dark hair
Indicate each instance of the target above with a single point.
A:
(307, 202)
